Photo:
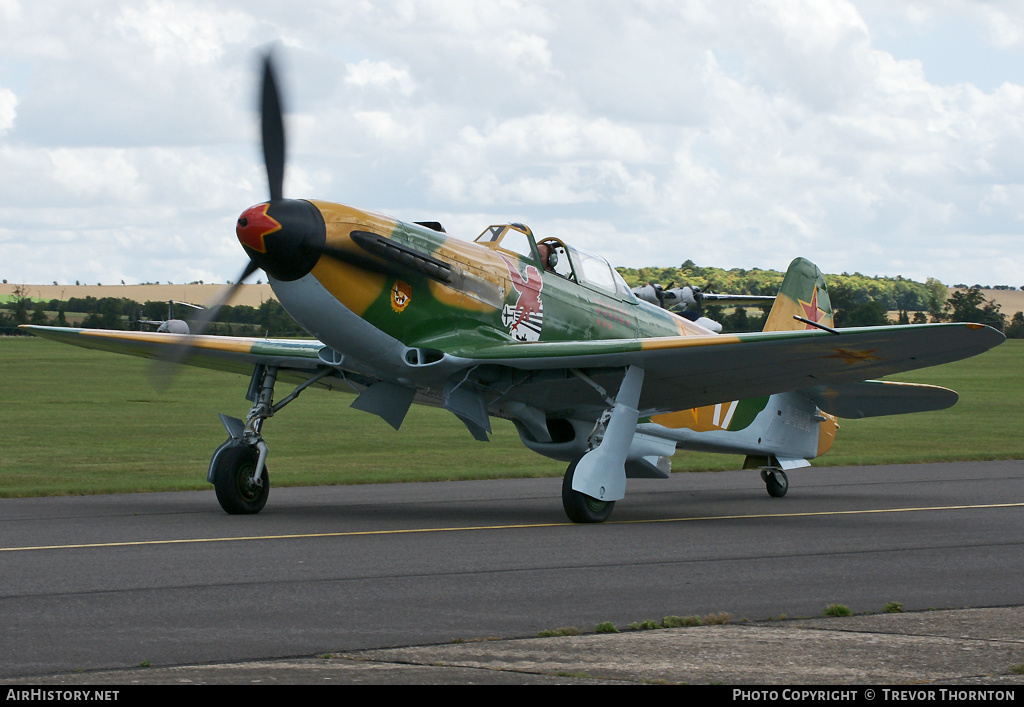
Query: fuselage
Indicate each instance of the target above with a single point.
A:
(497, 290)
(390, 298)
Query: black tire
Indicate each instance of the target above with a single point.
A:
(580, 507)
(232, 478)
(776, 482)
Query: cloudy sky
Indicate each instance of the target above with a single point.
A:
(876, 136)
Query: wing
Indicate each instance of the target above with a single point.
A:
(692, 371)
(680, 372)
(736, 300)
(299, 358)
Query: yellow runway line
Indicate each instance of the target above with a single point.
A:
(412, 531)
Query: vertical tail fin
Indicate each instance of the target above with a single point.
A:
(803, 294)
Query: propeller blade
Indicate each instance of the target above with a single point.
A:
(272, 127)
(202, 321)
(272, 120)
(163, 371)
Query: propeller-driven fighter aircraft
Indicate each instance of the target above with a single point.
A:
(535, 330)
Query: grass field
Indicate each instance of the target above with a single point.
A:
(75, 421)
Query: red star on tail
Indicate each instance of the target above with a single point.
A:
(811, 310)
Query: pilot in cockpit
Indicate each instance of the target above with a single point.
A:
(547, 256)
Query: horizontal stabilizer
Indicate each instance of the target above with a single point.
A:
(877, 398)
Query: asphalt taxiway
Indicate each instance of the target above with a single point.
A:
(392, 583)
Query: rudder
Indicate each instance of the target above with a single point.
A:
(803, 294)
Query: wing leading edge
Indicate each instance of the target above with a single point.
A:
(223, 353)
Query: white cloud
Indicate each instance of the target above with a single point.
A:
(540, 138)
(385, 128)
(379, 74)
(8, 109)
(737, 135)
(182, 33)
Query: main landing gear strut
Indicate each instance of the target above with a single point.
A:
(595, 481)
(238, 469)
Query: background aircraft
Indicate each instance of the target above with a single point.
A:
(688, 301)
(538, 331)
(172, 325)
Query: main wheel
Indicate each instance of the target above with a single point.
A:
(580, 507)
(237, 492)
(776, 482)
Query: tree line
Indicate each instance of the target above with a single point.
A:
(857, 300)
(269, 319)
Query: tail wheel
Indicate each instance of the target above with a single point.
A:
(580, 507)
(237, 491)
(776, 482)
